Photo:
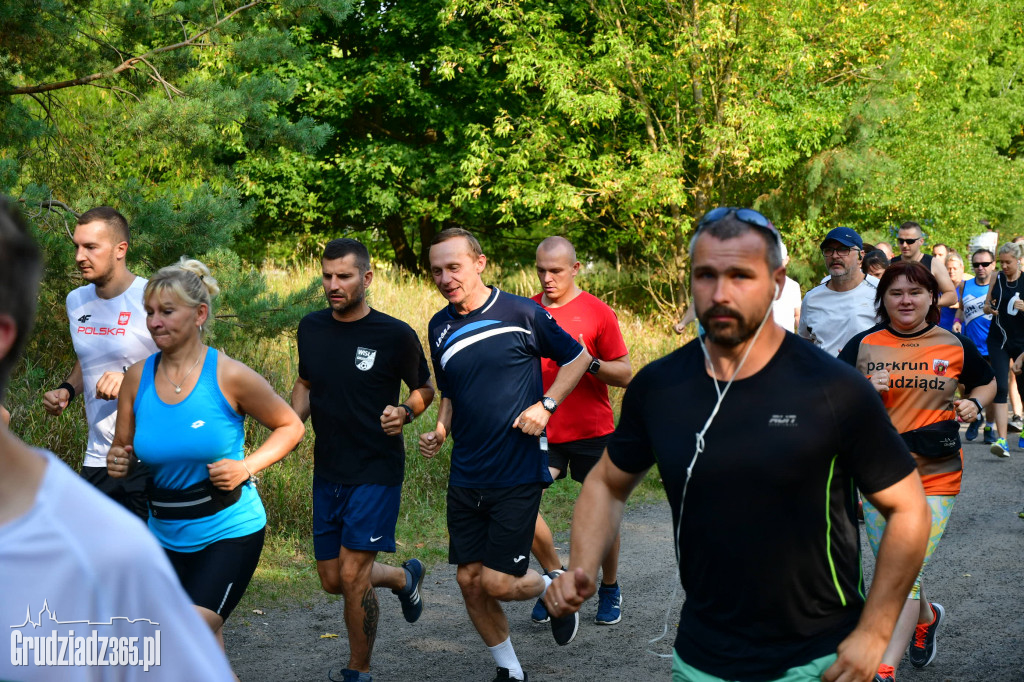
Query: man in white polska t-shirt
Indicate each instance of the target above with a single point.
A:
(834, 311)
(108, 328)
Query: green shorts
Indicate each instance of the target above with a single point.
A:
(809, 672)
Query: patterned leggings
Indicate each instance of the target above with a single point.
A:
(941, 507)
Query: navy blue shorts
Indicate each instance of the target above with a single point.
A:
(493, 525)
(359, 517)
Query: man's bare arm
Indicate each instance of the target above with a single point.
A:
(300, 398)
(617, 372)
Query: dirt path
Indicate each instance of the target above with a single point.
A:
(977, 574)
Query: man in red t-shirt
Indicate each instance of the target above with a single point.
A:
(578, 431)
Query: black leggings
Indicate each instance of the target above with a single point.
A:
(216, 576)
(999, 359)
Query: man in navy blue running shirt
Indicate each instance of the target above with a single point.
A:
(486, 347)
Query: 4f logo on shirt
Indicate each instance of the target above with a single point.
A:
(123, 318)
(939, 367)
(365, 358)
(84, 318)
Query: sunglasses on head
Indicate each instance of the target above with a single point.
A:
(744, 215)
(981, 265)
(908, 241)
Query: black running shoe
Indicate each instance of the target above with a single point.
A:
(564, 628)
(922, 646)
(412, 605)
(503, 676)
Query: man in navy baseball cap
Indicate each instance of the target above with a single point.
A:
(843, 305)
(844, 236)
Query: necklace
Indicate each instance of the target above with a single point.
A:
(177, 387)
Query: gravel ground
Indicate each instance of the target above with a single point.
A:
(977, 574)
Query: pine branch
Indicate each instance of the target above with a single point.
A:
(131, 61)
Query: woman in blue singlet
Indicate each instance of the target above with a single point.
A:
(182, 411)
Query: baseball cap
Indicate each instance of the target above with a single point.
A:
(844, 236)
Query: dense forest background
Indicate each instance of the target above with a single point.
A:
(252, 132)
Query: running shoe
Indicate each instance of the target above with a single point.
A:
(1020, 441)
(1015, 423)
(539, 614)
(972, 430)
(990, 435)
(349, 675)
(922, 646)
(886, 673)
(609, 605)
(503, 676)
(999, 448)
(564, 628)
(1020, 514)
(412, 605)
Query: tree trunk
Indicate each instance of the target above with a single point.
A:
(427, 232)
(404, 257)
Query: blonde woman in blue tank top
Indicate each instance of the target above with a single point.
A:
(181, 411)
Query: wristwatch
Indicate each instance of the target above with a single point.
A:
(549, 404)
(980, 410)
(595, 366)
(408, 413)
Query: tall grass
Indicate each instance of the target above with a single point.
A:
(286, 487)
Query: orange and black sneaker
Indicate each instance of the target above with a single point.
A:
(922, 646)
(886, 673)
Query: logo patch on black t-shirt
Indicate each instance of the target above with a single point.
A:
(365, 358)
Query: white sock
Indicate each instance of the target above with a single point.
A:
(547, 583)
(505, 657)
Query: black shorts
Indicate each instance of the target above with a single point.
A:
(216, 576)
(577, 457)
(493, 526)
(129, 492)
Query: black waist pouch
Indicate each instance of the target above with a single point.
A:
(194, 502)
(938, 440)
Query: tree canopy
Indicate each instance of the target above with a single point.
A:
(273, 125)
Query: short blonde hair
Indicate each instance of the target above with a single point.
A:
(1012, 248)
(188, 279)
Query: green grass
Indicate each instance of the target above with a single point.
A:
(287, 572)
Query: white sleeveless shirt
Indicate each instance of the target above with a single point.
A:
(109, 335)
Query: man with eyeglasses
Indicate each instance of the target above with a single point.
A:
(910, 237)
(976, 326)
(833, 312)
(765, 600)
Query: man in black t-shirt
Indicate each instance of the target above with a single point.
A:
(352, 362)
(764, 518)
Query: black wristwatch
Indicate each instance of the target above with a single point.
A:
(980, 409)
(408, 413)
(595, 366)
(549, 404)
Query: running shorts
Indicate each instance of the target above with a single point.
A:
(361, 517)
(216, 576)
(577, 457)
(129, 492)
(493, 525)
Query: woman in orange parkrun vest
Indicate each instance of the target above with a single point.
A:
(915, 366)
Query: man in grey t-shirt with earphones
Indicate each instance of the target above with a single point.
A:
(765, 529)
